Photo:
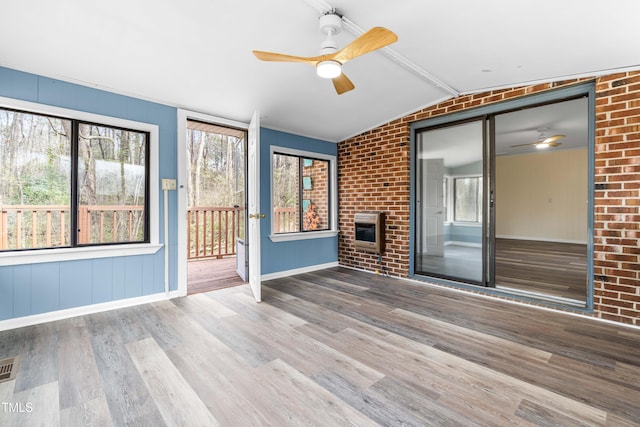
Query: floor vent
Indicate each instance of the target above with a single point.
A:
(8, 369)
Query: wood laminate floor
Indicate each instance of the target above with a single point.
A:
(330, 348)
(556, 269)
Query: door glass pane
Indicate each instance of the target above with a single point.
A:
(541, 200)
(449, 202)
(215, 189)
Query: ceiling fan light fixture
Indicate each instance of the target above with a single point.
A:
(329, 69)
(542, 145)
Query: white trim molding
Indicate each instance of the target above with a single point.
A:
(182, 117)
(51, 316)
(309, 269)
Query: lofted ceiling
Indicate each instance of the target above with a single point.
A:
(197, 54)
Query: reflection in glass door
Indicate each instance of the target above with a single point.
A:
(449, 202)
(541, 200)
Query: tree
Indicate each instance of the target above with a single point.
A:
(215, 168)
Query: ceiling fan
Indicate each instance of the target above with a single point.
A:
(329, 63)
(543, 140)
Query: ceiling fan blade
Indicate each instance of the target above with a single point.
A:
(551, 141)
(280, 57)
(375, 38)
(342, 84)
(553, 138)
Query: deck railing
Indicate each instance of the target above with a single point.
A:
(46, 226)
(286, 220)
(211, 231)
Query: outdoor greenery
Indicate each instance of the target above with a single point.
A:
(32, 149)
(216, 180)
(285, 181)
(216, 166)
(37, 157)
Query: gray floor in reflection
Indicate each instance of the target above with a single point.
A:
(550, 269)
(463, 262)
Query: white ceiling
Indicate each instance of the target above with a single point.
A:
(196, 54)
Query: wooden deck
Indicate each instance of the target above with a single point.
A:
(206, 275)
(331, 348)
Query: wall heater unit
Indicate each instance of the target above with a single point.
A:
(369, 232)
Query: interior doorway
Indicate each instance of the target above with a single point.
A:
(216, 203)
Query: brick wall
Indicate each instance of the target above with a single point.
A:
(373, 174)
(617, 198)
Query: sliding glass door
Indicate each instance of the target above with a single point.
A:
(541, 200)
(502, 199)
(449, 202)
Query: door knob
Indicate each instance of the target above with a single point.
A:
(257, 215)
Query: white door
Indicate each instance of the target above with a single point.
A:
(253, 191)
(434, 207)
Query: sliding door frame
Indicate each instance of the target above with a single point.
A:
(482, 120)
(487, 114)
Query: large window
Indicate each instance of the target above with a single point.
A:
(467, 205)
(300, 193)
(69, 183)
(304, 203)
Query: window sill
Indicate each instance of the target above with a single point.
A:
(72, 254)
(288, 237)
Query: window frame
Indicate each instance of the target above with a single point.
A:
(333, 199)
(479, 200)
(105, 250)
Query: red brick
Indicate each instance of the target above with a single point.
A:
(617, 156)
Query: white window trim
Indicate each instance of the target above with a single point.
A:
(333, 196)
(106, 251)
(450, 189)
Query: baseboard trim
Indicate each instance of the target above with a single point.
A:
(541, 239)
(52, 316)
(460, 243)
(505, 298)
(295, 271)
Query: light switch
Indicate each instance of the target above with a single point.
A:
(168, 184)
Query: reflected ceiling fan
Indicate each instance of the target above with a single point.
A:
(544, 141)
(329, 63)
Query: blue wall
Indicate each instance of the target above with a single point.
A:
(463, 233)
(39, 288)
(283, 256)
